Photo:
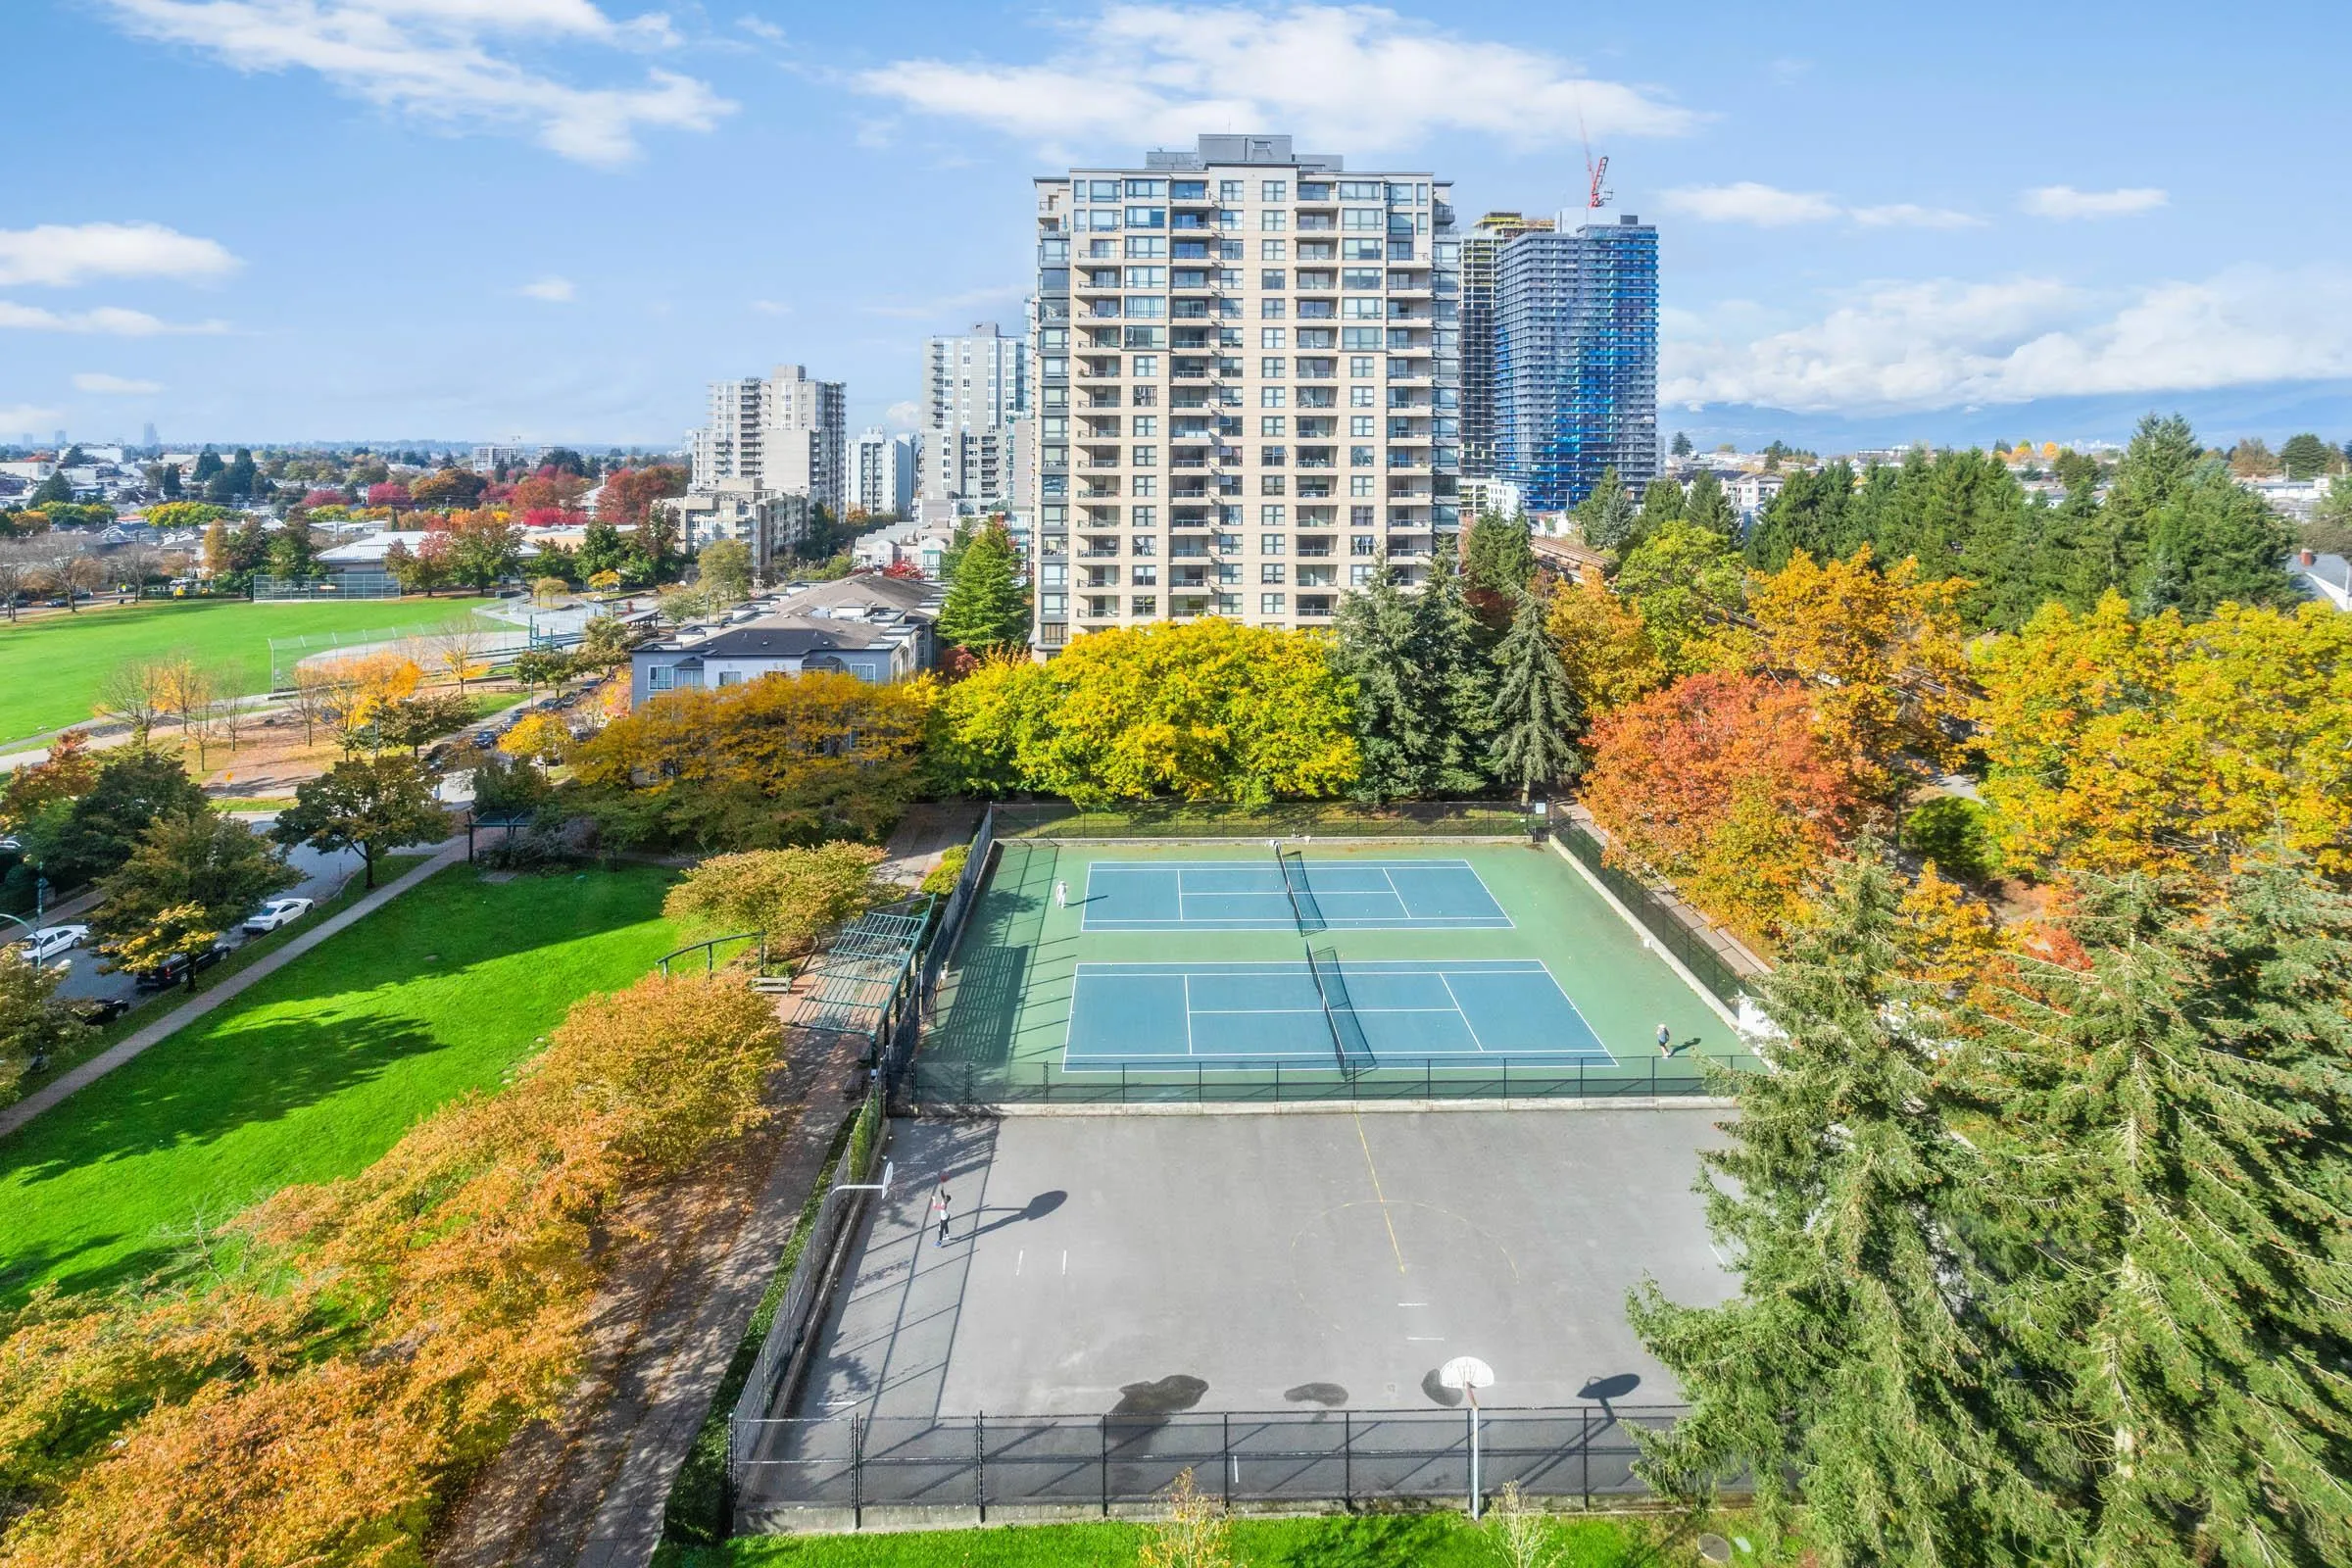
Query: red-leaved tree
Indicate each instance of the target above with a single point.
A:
(393, 493)
(628, 495)
(1720, 783)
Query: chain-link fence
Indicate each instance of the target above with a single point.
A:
(1709, 958)
(830, 1471)
(1337, 819)
(1240, 1079)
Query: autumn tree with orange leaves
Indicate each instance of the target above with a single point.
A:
(1722, 784)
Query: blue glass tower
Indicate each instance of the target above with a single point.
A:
(1576, 361)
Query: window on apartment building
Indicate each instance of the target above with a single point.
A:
(1360, 516)
(1271, 397)
(1143, 516)
(1360, 424)
(1147, 278)
(1143, 605)
(1144, 576)
(1362, 544)
(1270, 517)
(1143, 545)
(1272, 457)
(1273, 278)
(1272, 425)
(1360, 367)
(1144, 397)
(1143, 457)
(1360, 485)
(1272, 310)
(1272, 337)
(1272, 222)
(1359, 337)
(1145, 247)
(1363, 397)
(1271, 571)
(1143, 367)
(1272, 484)
(660, 678)
(1145, 485)
(1271, 249)
(1269, 603)
(1228, 191)
(1272, 369)
(1274, 190)
(1361, 277)
(1363, 250)
(1361, 458)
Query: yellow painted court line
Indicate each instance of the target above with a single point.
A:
(1394, 1247)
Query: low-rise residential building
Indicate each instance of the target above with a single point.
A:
(876, 628)
(2324, 576)
(357, 566)
(772, 523)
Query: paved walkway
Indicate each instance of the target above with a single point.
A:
(106, 1062)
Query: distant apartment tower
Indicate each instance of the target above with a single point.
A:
(1575, 338)
(882, 470)
(975, 389)
(1248, 383)
(1481, 246)
(785, 433)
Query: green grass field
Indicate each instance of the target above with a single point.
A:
(50, 668)
(1390, 1540)
(318, 1069)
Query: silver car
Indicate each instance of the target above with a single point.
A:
(276, 912)
(50, 941)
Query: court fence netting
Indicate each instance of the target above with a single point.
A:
(1710, 960)
(1338, 819)
(832, 1473)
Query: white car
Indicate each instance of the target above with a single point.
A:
(276, 912)
(50, 941)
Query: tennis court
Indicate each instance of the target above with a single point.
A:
(1320, 893)
(1149, 1015)
(1413, 969)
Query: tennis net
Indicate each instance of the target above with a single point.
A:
(1304, 907)
(1346, 1031)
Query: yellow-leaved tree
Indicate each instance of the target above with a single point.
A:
(791, 896)
(1602, 646)
(2118, 743)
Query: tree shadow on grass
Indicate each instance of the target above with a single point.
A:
(207, 1087)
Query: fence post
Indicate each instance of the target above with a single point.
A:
(857, 1473)
(1348, 1457)
(1583, 1452)
(980, 1467)
(1226, 1442)
(1105, 1469)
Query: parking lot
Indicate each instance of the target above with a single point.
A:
(1124, 1265)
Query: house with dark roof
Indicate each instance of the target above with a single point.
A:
(876, 628)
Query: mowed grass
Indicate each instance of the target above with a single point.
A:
(318, 1069)
(50, 668)
(1378, 1541)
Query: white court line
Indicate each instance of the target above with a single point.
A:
(1457, 1008)
(1188, 1012)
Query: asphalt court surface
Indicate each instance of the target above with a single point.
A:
(1158, 1014)
(1233, 895)
(1271, 1263)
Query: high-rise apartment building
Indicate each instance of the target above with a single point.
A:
(882, 470)
(1481, 245)
(785, 433)
(1575, 344)
(1248, 370)
(975, 388)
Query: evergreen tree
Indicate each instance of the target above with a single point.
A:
(1398, 708)
(1449, 647)
(2306, 456)
(1498, 561)
(1852, 1376)
(1811, 514)
(1661, 504)
(1536, 715)
(1682, 445)
(1709, 508)
(1607, 515)
(986, 608)
(2178, 1146)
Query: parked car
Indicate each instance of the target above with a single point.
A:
(50, 941)
(96, 1010)
(177, 968)
(276, 912)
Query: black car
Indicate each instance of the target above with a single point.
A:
(176, 968)
(96, 1010)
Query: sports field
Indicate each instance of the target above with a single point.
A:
(50, 669)
(1240, 971)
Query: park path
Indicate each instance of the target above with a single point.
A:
(155, 1034)
(588, 1488)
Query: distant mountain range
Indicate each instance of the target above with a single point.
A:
(2271, 412)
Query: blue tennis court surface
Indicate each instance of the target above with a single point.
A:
(1252, 1015)
(1250, 896)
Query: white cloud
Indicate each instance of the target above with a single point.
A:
(902, 416)
(1769, 207)
(61, 255)
(2066, 202)
(100, 382)
(1945, 343)
(771, 307)
(554, 290)
(23, 416)
(759, 28)
(107, 319)
(441, 61)
(1351, 78)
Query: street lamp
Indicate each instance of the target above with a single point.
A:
(1466, 1375)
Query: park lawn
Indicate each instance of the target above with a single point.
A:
(1360, 1541)
(50, 668)
(318, 1069)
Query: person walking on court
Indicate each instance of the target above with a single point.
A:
(940, 1202)
(1665, 1041)
(1062, 895)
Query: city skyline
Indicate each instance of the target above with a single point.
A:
(2029, 229)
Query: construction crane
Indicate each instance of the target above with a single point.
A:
(1595, 196)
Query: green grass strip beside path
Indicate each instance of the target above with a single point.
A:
(318, 1069)
(50, 668)
(1376, 1540)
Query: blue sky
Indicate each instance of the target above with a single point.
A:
(555, 220)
